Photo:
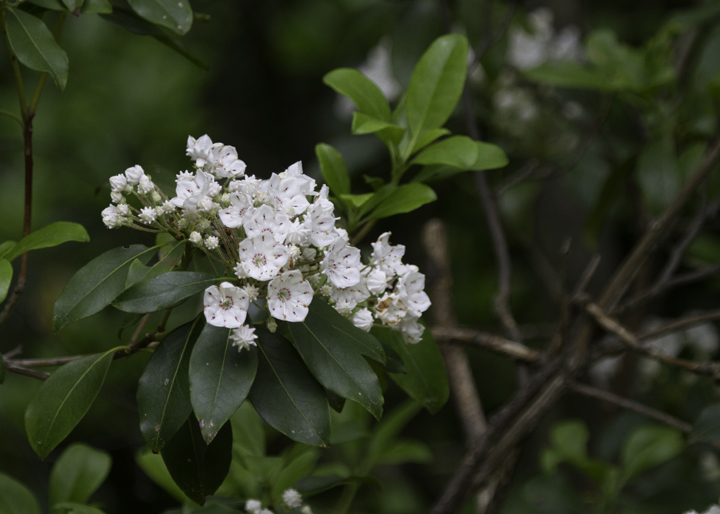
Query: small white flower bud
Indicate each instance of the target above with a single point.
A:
(168, 207)
(325, 290)
(271, 325)
(239, 271)
(292, 498)
(182, 223)
(195, 238)
(225, 200)
(145, 186)
(253, 506)
(252, 292)
(116, 197)
(147, 215)
(203, 225)
(211, 242)
(159, 211)
(123, 209)
(156, 197)
(134, 174)
(309, 254)
(118, 183)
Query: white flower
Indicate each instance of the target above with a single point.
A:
(235, 214)
(298, 234)
(251, 505)
(390, 309)
(411, 330)
(262, 257)
(224, 162)
(387, 257)
(190, 191)
(306, 510)
(147, 215)
(225, 305)
(134, 174)
(266, 221)
(376, 281)
(342, 264)
(347, 298)
(252, 292)
(168, 207)
(195, 238)
(119, 184)
(211, 242)
(292, 498)
(239, 271)
(411, 290)
(123, 209)
(363, 319)
(116, 196)
(199, 149)
(145, 186)
(321, 229)
(288, 296)
(111, 217)
(243, 337)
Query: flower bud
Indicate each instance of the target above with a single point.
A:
(195, 238)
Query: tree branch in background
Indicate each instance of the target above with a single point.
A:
(485, 341)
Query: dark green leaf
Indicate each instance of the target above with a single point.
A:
(387, 131)
(53, 5)
(313, 485)
(570, 74)
(377, 198)
(96, 7)
(658, 174)
(164, 291)
(707, 427)
(97, 284)
(356, 201)
(3, 369)
(361, 90)
(425, 379)
(154, 467)
(175, 15)
(394, 362)
(35, 46)
(386, 433)
(163, 394)
(286, 395)
(72, 4)
(458, 151)
(406, 451)
(436, 85)
(78, 473)
(298, 464)
(5, 247)
(336, 402)
(63, 399)
(649, 447)
(333, 353)
(334, 171)
(136, 25)
(198, 469)
(15, 498)
(76, 508)
(52, 235)
(405, 198)
(248, 431)
(138, 271)
(220, 378)
(6, 273)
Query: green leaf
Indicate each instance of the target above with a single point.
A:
(332, 346)
(707, 427)
(386, 433)
(570, 74)
(436, 85)
(164, 291)
(6, 273)
(198, 469)
(63, 400)
(154, 467)
(52, 235)
(15, 498)
(175, 15)
(649, 447)
(72, 4)
(406, 451)
(220, 378)
(163, 394)
(356, 201)
(138, 271)
(489, 157)
(387, 131)
(78, 473)
(425, 140)
(377, 198)
(248, 431)
(333, 169)
(658, 174)
(297, 465)
(35, 46)
(5, 247)
(136, 25)
(367, 96)
(97, 284)
(76, 508)
(53, 5)
(286, 395)
(3, 369)
(425, 379)
(458, 151)
(405, 198)
(96, 7)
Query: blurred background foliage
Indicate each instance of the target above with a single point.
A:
(130, 100)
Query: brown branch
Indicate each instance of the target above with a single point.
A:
(679, 324)
(632, 405)
(486, 341)
(19, 370)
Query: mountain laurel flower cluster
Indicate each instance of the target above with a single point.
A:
(278, 241)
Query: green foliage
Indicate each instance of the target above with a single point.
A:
(706, 428)
(333, 169)
(52, 235)
(15, 498)
(220, 378)
(163, 291)
(64, 399)
(77, 474)
(6, 274)
(173, 15)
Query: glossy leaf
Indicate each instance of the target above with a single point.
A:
(220, 378)
(97, 284)
(356, 201)
(15, 498)
(367, 96)
(425, 140)
(436, 85)
(53, 5)
(5, 248)
(458, 151)
(164, 291)
(35, 46)
(96, 7)
(405, 198)
(63, 400)
(387, 131)
(707, 427)
(72, 4)
(649, 447)
(6, 273)
(489, 157)
(425, 379)
(175, 15)
(163, 394)
(377, 198)
(198, 469)
(333, 348)
(78, 473)
(52, 235)
(286, 395)
(138, 271)
(333, 169)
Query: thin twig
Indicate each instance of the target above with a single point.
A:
(680, 324)
(486, 341)
(632, 405)
(19, 370)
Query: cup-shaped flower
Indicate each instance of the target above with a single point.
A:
(411, 289)
(262, 257)
(265, 220)
(342, 264)
(225, 305)
(288, 296)
(386, 256)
